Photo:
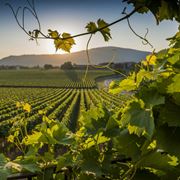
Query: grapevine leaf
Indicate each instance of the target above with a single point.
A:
(53, 34)
(36, 33)
(169, 114)
(168, 140)
(112, 127)
(31, 167)
(175, 85)
(105, 31)
(14, 166)
(95, 119)
(175, 40)
(160, 9)
(35, 138)
(61, 134)
(46, 175)
(90, 161)
(70, 40)
(65, 43)
(4, 174)
(151, 97)
(145, 174)
(176, 98)
(164, 11)
(64, 161)
(3, 160)
(91, 27)
(143, 75)
(127, 84)
(174, 59)
(127, 144)
(137, 116)
(150, 60)
(96, 140)
(159, 161)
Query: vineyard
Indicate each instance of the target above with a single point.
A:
(64, 105)
(50, 78)
(27, 98)
(60, 125)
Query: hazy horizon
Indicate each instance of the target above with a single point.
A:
(72, 16)
(71, 52)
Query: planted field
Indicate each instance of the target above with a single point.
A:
(64, 96)
(32, 100)
(65, 105)
(50, 78)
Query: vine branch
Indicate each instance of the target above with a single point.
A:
(32, 10)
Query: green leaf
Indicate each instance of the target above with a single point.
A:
(151, 97)
(4, 173)
(91, 27)
(143, 75)
(165, 11)
(127, 84)
(169, 113)
(3, 160)
(31, 167)
(175, 85)
(144, 174)
(65, 43)
(161, 9)
(90, 161)
(105, 31)
(174, 59)
(137, 116)
(53, 34)
(176, 98)
(47, 174)
(95, 119)
(61, 134)
(36, 33)
(158, 161)
(127, 144)
(35, 138)
(65, 160)
(168, 140)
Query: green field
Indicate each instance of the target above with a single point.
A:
(64, 95)
(31, 98)
(50, 78)
(65, 105)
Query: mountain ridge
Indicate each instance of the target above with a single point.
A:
(97, 55)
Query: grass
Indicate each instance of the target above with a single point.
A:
(58, 78)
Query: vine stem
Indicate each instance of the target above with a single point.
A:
(88, 58)
(32, 10)
(143, 38)
(96, 66)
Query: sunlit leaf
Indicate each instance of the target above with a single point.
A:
(105, 31)
(53, 34)
(136, 115)
(65, 43)
(91, 27)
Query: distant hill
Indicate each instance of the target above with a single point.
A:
(98, 55)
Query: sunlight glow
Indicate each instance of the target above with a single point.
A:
(50, 48)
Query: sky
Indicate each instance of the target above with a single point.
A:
(72, 16)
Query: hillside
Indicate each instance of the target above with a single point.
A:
(98, 55)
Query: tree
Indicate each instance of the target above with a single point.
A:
(67, 66)
(48, 66)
